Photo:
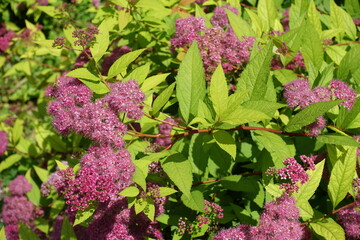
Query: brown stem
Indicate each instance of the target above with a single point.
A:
(163, 121)
(219, 179)
(347, 43)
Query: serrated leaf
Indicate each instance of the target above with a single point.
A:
(142, 169)
(267, 13)
(239, 183)
(226, 142)
(82, 216)
(338, 139)
(243, 115)
(314, 16)
(190, 83)
(165, 191)
(306, 211)
(307, 189)
(194, 201)
(43, 174)
(241, 27)
(162, 99)
(219, 91)
(328, 229)
(197, 155)
(312, 47)
(274, 190)
(123, 62)
(298, 12)
(139, 73)
(269, 108)
(61, 165)
(342, 20)
(124, 18)
(26, 233)
(349, 63)
(101, 41)
(67, 231)
(342, 175)
(285, 75)
(255, 76)
(9, 161)
(140, 205)
(83, 73)
(130, 192)
(352, 118)
(153, 81)
(276, 146)
(336, 53)
(150, 209)
(34, 195)
(178, 168)
(309, 115)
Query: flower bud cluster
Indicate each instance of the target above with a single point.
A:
(212, 212)
(3, 142)
(299, 93)
(165, 129)
(218, 44)
(17, 208)
(278, 222)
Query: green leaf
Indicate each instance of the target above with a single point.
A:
(150, 209)
(139, 73)
(190, 83)
(162, 99)
(140, 205)
(67, 231)
(34, 195)
(269, 108)
(26, 233)
(43, 174)
(352, 118)
(2, 233)
(153, 81)
(178, 168)
(285, 75)
(82, 216)
(255, 76)
(243, 115)
(328, 229)
(101, 41)
(123, 62)
(83, 73)
(17, 130)
(61, 165)
(165, 191)
(130, 192)
(307, 189)
(219, 91)
(276, 145)
(350, 62)
(336, 53)
(309, 115)
(312, 47)
(197, 155)
(298, 12)
(314, 17)
(124, 18)
(338, 139)
(226, 142)
(142, 169)
(9, 161)
(274, 190)
(267, 13)
(342, 20)
(342, 175)
(241, 27)
(306, 211)
(194, 201)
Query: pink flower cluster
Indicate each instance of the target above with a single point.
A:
(85, 37)
(165, 129)
(299, 93)
(216, 44)
(294, 172)
(349, 219)
(17, 208)
(73, 110)
(3, 142)
(278, 222)
(296, 64)
(5, 37)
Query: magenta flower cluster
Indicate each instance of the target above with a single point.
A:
(349, 219)
(294, 172)
(85, 37)
(74, 111)
(278, 222)
(218, 45)
(17, 208)
(165, 129)
(5, 37)
(3, 142)
(299, 93)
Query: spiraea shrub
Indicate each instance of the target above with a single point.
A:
(180, 119)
